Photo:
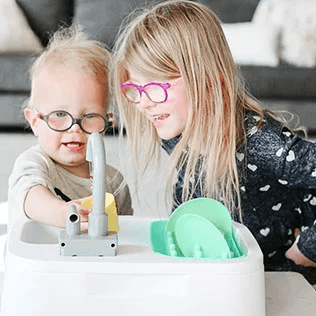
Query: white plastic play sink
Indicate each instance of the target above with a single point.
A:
(137, 281)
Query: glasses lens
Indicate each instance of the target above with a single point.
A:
(155, 93)
(59, 120)
(131, 94)
(93, 123)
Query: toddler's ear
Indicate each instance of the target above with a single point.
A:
(32, 118)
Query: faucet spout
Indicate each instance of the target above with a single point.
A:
(98, 221)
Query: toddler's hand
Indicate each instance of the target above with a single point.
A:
(83, 211)
(295, 255)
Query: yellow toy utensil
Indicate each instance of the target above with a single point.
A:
(110, 209)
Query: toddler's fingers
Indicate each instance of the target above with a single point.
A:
(84, 218)
(83, 210)
(84, 226)
(84, 213)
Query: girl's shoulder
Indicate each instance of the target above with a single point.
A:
(254, 122)
(267, 132)
(266, 126)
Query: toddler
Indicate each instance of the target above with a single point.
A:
(68, 102)
(178, 87)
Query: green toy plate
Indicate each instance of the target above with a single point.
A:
(212, 210)
(197, 237)
(199, 228)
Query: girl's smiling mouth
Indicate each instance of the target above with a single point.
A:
(160, 117)
(74, 146)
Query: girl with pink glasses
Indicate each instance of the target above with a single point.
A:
(177, 86)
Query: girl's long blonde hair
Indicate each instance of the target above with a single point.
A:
(184, 38)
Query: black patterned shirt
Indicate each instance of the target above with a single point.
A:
(277, 174)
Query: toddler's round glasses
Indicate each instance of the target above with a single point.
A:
(61, 121)
(155, 91)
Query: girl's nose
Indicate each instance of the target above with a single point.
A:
(145, 103)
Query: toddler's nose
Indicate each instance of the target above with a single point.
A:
(76, 128)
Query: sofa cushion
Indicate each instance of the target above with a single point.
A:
(259, 44)
(283, 81)
(15, 32)
(45, 16)
(101, 19)
(11, 111)
(234, 11)
(298, 39)
(14, 74)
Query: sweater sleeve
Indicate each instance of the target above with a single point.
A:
(292, 161)
(30, 169)
(298, 168)
(307, 241)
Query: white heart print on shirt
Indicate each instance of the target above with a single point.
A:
(240, 156)
(288, 134)
(270, 255)
(265, 231)
(288, 243)
(265, 188)
(276, 207)
(291, 156)
(283, 182)
(313, 201)
(306, 199)
(298, 210)
(279, 152)
(252, 167)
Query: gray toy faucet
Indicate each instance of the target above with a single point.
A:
(98, 219)
(73, 221)
(98, 241)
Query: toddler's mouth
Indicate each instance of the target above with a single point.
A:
(74, 146)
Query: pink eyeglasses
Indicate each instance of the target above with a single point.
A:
(155, 91)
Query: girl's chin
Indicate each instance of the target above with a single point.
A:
(166, 135)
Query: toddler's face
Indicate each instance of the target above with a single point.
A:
(170, 117)
(58, 88)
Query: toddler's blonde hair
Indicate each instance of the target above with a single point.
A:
(184, 38)
(72, 48)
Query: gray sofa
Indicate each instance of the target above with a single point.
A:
(285, 86)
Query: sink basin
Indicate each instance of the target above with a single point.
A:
(137, 281)
(36, 233)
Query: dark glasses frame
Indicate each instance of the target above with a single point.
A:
(108, 122)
